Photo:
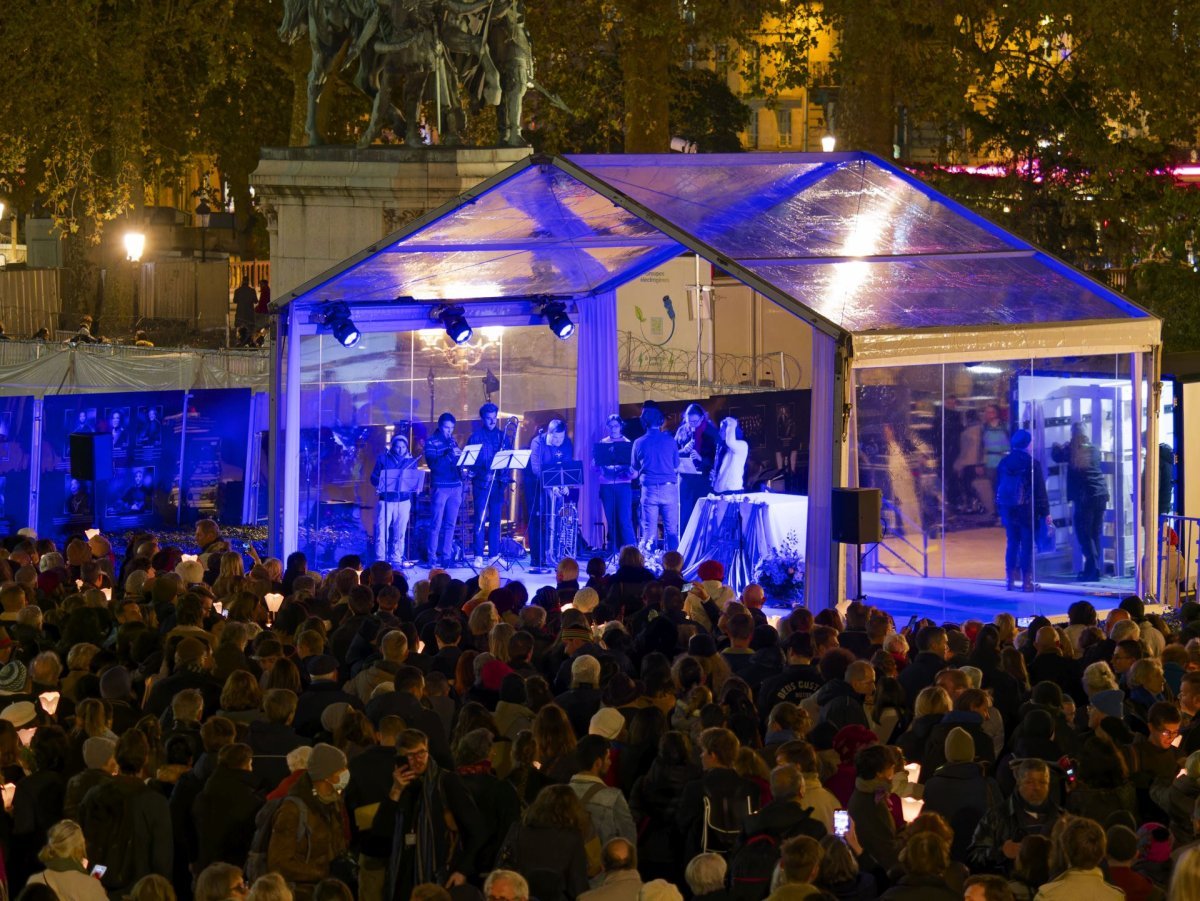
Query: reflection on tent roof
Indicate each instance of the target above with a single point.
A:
(846, 241)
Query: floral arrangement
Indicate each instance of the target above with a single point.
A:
(185, 539)
(781, 572)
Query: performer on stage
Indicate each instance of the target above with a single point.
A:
(655, 462)
(391, 521)
(550, 448)
(616, 491)
(441, 455)
(697, 445)
(730, 471)
(488, 488)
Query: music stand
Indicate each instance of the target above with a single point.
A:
(511, 460)
(412, 482)
(558, 475)
(468, 458)
(612, 453)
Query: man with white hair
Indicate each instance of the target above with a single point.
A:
(582, 700)
(621, 879)
(505, 885)
(705, 874)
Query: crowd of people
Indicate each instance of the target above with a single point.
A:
(203, 726)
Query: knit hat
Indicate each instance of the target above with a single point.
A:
(607, 722)
(711, 571)
(974, 674)
(586, 599)
(13, 677)
(98, 751)
(702, 645)
(324, 761)
(659, 890)
(576, 633)
(20, 714)
(493, 674)
(512, 689)
(851, 739)
(333, 714)
(585, 670)
(190, 571)
(321, 665)
(116, 684)
(1110, 702)
(960, 746)
(1122, 843)
(1154, 843)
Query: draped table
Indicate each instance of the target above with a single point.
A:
(738, 530)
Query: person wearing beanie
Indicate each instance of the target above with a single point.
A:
(576, 640)
(1122, 852)
(608, 723)
(1022, 503)
(99, 757)
(307, 833)
(582, 700)
(959, 790)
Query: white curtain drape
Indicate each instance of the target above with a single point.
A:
(596, 396)
(826, 409)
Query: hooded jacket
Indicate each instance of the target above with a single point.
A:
(841, 705)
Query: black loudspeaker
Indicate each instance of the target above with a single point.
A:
(91, 456)
(857, 515)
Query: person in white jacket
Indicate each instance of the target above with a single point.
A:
(65, 873)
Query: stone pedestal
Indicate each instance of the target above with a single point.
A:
(324, 204)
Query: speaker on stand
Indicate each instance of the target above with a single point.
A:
(858, 520)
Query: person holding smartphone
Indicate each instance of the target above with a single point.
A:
(416, 816)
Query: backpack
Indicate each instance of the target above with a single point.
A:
(751, 868)
(722, 826)
(264, 823)
(108, 824)
(1012, 488)
(591, 844)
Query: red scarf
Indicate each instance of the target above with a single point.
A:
(482, 768)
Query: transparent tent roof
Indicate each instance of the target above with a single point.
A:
(845, 240)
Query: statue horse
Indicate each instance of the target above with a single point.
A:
(331, 26)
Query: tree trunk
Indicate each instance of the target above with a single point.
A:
(645, 66)
(81, 288)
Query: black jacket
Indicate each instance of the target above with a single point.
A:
(841, 705)
(654, 803)
(560, 852)
(165, 689)
(151, 845)
(920, 888)
(1004, 822)
(271, 743)
(415, 716)
(312, 703)
(783, 820)
(224, 813)
(935, 746)
(794, 684)
(580, 705)
(718, 784)
(962, 794)
(920, 674)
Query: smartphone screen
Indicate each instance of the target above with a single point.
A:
(841, 823)
(1024, 621)
(99, 870)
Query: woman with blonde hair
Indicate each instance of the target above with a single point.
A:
(498, 639)
(65, 874)
(230, 576)
(480, 623)
(270, 887)
(151, 888)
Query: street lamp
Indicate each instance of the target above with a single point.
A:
(828, 143)
(135, 243)
(203, 215)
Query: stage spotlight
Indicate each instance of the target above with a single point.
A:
(558, 320)
(455, 323)
(335, 316)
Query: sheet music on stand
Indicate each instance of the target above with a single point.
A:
(511, 460)
(469, 455)
(563, 475)
(412, 480)
(612, 453)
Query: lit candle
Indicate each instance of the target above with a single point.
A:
(91, 533)
(49, 701)
(274, 602)
(911, 808)
(914, 772)
(184, 558)
(26, 735)
(1176, 740)
(219, 607)
(7, 791)
(79, 584)
(107, 592)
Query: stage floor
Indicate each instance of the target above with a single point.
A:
(952, 600)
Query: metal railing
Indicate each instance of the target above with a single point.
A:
(1178, 560)
(653, 366)
(255, 270)
(883, 557)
